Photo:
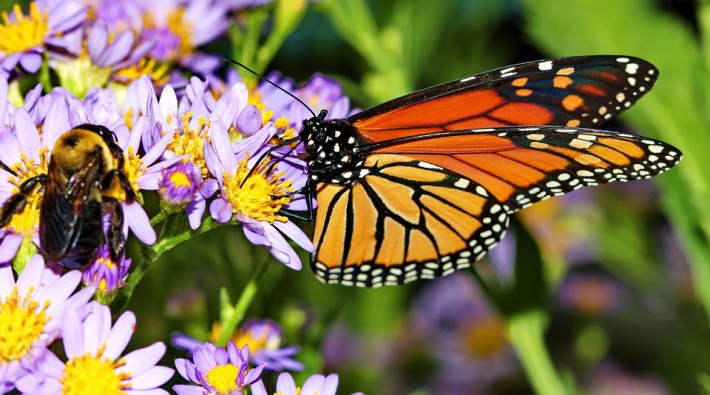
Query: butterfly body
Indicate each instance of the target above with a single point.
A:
(332, 150)
(424, 184)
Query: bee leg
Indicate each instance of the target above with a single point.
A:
(123, 179)
(16, 202)
(116, 240)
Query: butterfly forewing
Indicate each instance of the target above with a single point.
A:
(401, 221)
(575, 92)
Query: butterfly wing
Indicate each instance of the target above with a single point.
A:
(466, 154)
(437, 203)
(576, 92)
(523, 165)
(405, 219)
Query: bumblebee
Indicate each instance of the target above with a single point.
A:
(85, 180)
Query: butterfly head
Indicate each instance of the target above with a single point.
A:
(332, 150)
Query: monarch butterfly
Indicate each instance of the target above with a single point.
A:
(424, 184)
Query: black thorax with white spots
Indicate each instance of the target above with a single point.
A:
(333, 150)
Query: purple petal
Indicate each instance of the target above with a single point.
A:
(153, 377)
(331, 384)
(188, 390)
(258, 388)
(313, 385)
(285, 384)
(139, 222)
(31, 62)
(120, 335)
(195, 210)
(221, 210)
(72, 334)
(9, 246)
(296, 234)
(249, 121)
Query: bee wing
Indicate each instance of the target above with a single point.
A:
(65, 213)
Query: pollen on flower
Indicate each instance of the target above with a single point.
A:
(88, 374)
(485, 337)
(223, 378)
(133, 168)
(24, 32)
(22, 321)
(128, 118)
(178, 32)
(191, 142)
(256, 342)
(26, 221)
(266, 115)
(259, 194)
(157, 72)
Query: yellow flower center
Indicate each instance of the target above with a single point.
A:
(191, 142)
(22, 321)
(179, 179)
(180, 27)
(157, 72)
(24, 32)
(486, 337)
(80, 74)
(592, 296)
(134, 168)
(223, 378)
(260, 195)
(90, 374)
(110, 265)
(26, 221)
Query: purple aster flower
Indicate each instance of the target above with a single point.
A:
(25, 38)
(178, 27)
(264, 338)
(217, 370)
(462, 333)
(93, 345)
(179, 185)
(119, 15)
(187, 123)
(316, 384)
(31, 314)
(590, 293)
(109, 55)
(254, 193)
(107, 276)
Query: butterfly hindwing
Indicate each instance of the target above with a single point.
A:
(403, 220)
(577, 92)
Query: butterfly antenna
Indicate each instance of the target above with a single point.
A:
(268, 82)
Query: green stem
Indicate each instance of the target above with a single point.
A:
(230, 323)
(152, 253)
(525, 331)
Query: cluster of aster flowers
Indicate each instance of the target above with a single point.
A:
(199, 152)
(204, 145)
(38, 309)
